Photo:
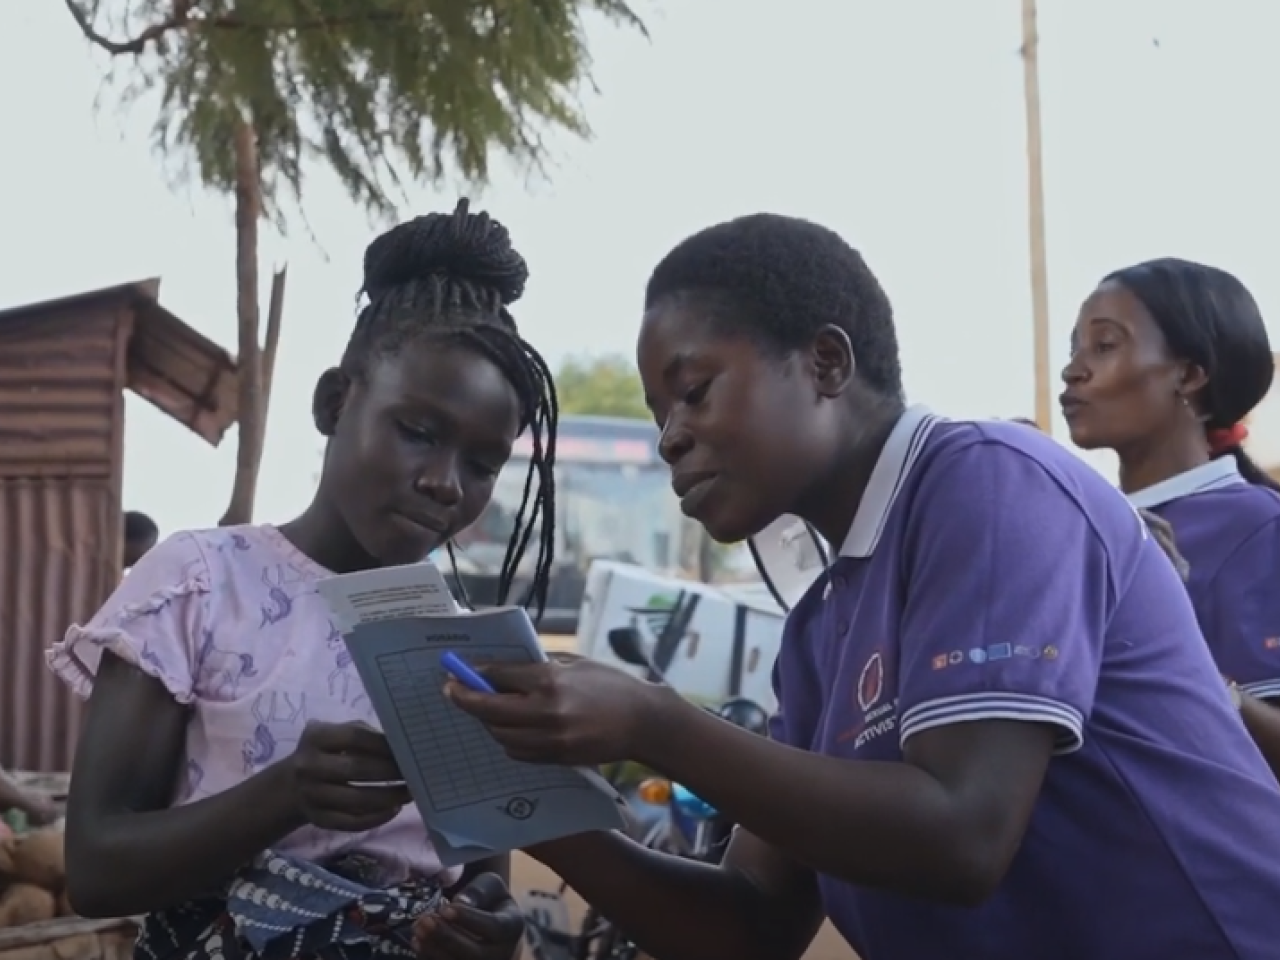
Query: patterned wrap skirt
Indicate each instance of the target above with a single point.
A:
(283, 908)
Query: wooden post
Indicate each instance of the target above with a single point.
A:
(1035, 203)
(270, 344)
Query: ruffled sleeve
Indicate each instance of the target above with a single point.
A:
(155, 620)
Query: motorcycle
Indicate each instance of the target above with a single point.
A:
(688, 827)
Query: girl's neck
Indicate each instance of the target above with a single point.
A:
(1145, 464)
(322, 534)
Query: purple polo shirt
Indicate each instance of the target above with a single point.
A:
(990, 574)
(1229, 532)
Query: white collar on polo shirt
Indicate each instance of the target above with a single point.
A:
(1213, 475)
(791, 555)
(891, 470)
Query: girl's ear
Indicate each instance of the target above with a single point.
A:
(328, 400)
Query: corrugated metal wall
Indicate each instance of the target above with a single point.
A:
(61, 378)
(53, 570)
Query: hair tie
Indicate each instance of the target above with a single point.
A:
(1224, 438)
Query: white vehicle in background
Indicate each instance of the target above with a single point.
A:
(711, 643)
(613, 502)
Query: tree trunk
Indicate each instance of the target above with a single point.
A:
(249, 361)
(1035, 198)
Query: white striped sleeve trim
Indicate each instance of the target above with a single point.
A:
(996, 705)
(1263, 689)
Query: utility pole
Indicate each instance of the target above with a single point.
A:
(1035, 204)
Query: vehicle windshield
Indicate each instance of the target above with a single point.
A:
(608, 511)
(613, 502)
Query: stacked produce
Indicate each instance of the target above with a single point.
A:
(32, 877)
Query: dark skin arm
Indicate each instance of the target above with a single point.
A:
(128, 852)
(943, 825)
(1262, 720)
(756, 905)
(126, 765)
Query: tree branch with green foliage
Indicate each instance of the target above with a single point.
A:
(382, 92)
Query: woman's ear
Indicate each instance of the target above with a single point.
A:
(328, 400)
(1192, 379)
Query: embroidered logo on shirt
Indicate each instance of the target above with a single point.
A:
(981, 655)
(878, 710)
(871, 682)
(1271, 643)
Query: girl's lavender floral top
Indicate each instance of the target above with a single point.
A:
(230, 622)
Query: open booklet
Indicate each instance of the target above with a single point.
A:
(475, 800)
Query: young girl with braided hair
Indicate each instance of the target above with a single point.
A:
(1168, 358)
(227, 784)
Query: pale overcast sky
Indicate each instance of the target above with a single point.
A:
(897, 122)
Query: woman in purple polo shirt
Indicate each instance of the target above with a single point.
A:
(1000, 733)
(1168, 357)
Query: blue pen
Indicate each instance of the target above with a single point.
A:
(461, 671)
